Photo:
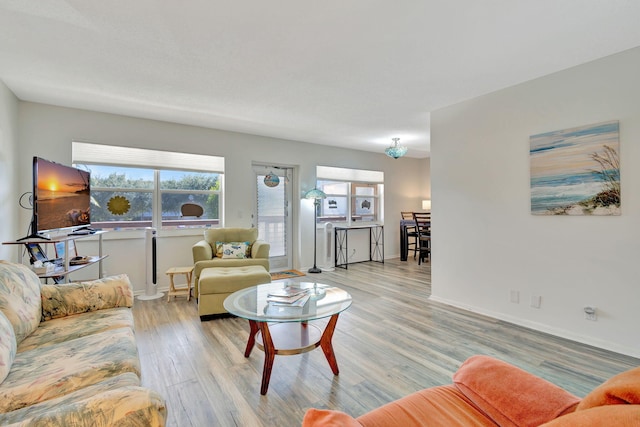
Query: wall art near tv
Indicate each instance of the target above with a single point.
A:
(576, 171)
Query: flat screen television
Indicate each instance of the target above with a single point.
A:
(61, 197)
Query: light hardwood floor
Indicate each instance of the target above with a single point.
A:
(392, 341)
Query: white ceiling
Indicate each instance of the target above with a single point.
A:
(352, 73)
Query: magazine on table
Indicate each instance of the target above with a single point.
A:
(287, 292)
(299, 302)
(286, 299)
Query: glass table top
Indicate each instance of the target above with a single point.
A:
(258, 302)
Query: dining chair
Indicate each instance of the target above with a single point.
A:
(423, 227)
(411, 236)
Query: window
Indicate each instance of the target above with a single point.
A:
(178, 188)
(129, 195)
(352, 195)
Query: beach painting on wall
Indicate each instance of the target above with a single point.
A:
(576, 171)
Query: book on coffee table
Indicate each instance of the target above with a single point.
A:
(289, 291)
(299, 302)
(283, 299)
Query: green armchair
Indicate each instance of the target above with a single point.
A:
(207, 253)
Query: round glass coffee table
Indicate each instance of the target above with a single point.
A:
(282, 328)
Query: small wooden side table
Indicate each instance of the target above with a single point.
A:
(187, 271)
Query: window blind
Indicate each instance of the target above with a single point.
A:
(84, 152)
(345, 174)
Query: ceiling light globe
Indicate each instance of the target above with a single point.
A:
(396, 151)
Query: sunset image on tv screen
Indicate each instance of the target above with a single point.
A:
(63, 196)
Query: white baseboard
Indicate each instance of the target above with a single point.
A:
(541, 327)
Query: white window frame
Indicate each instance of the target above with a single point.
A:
(353, 177)
(157, 161)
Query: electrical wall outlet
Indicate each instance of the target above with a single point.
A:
(514, 296)
(590, 313)
(536, 301)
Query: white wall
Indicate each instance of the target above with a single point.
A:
(486, 242)
(8, 171)
(47, 131)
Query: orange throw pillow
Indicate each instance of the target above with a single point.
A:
(509, 395)
(620, 389)
(328, 418)
(610, 415)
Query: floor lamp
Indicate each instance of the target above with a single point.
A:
(316, 195)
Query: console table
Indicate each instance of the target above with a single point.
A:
(376, 243)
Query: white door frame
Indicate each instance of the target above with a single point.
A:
(286, 174)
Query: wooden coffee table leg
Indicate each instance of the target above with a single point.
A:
(269, 356)
(327, 347)
(253, 325)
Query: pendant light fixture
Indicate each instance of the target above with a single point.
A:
(396, 151)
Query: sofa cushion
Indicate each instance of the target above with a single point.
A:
(125, 406)
(623, 388)
(509, 395)
(441, 406)
(77, 326)
(74, 298)
(20, 298)
(610, 415)
(128, 379)
(52, 371)
(7, 346)
(221, 248)
(328, 418)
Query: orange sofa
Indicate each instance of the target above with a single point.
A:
(489, 392)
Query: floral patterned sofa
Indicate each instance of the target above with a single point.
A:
(68, 354)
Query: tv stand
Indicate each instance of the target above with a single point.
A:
(67, 267)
